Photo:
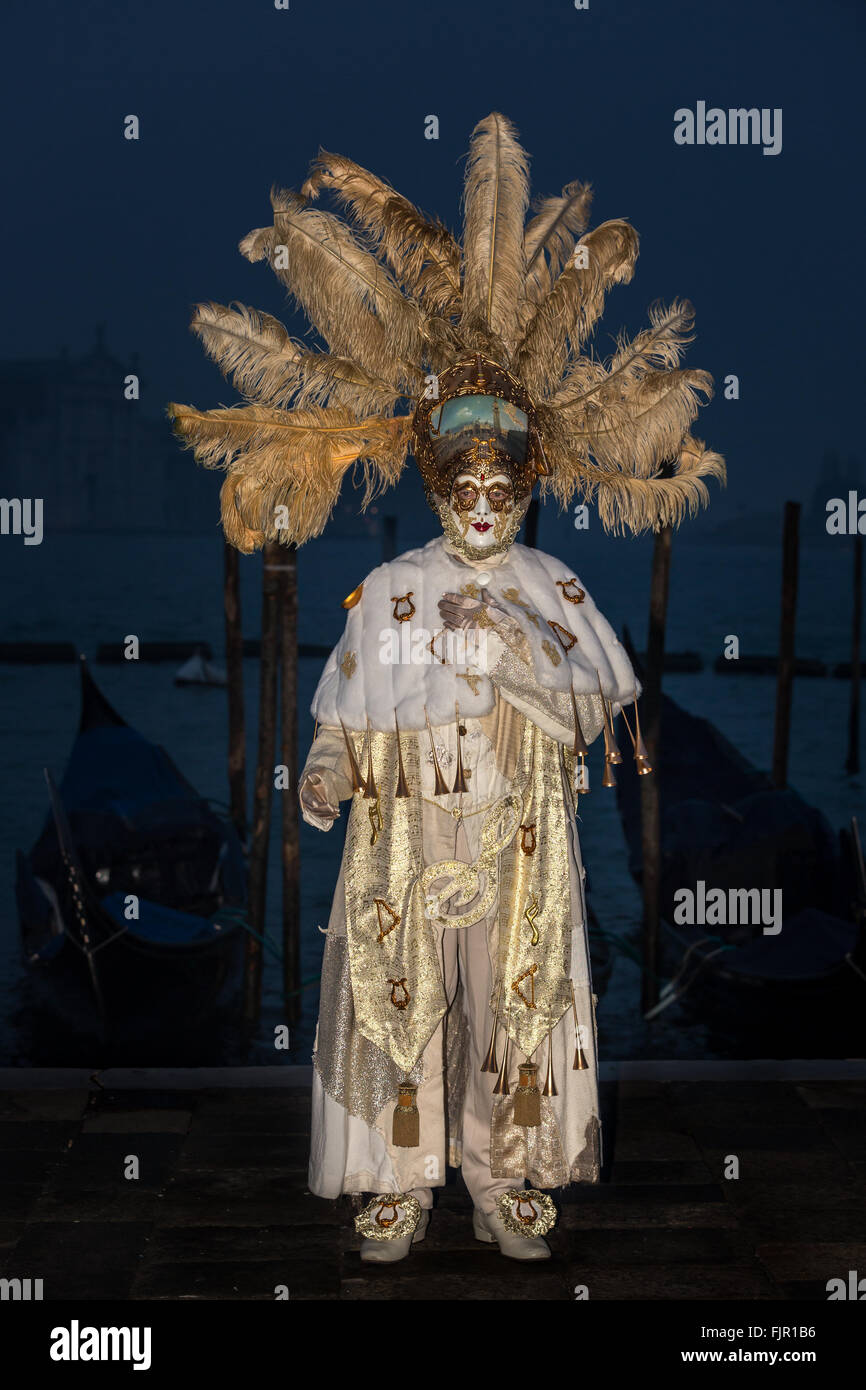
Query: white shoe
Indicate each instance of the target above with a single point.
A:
(515, 1241)
(409, 1219)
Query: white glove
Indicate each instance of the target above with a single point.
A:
(461, 611)
(320, 804)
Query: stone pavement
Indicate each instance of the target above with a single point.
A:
(220, 1209)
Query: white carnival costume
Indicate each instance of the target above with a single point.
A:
(456, 1023)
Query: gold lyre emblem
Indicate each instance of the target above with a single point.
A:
(383, 907)
(348, 664)
(566, 638)
(528, 839)
(565, 585)
(521, 1216)
(530, 914)
(530, 975)
(400, 1001)
(404, 608)
(553, 653)
(385, 1221)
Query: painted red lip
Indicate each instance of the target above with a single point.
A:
(481, 525)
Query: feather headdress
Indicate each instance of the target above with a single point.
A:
(395, 300)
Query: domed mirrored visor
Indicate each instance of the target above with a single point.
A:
(461, 424)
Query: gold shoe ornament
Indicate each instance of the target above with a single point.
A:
(526, 1213)
(381, 1218)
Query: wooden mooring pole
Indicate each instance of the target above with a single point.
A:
(852, 762)
(651, 703)
(264, 784)
(785, 680)
(290, 846)
(235, 685)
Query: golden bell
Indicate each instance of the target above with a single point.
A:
(615, 755)
(641, 756)
(549, 1088)
(402, 784)
(371, 791)
(580, 748)
(490, 1063)
(357, 779)
(501, 1087)
(460, 783)
(611, 752)
(580, 1063)
(440, 787)
(609, 779)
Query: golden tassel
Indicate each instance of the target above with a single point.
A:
(527, 1097)
(490, 1063)
(406, 1128)
(441, 786)
(402, 784)
(460, 783)
(371, 791)
(357, 779)
(501, 1087)
(549, 1082)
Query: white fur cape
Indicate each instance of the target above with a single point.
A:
(362, 680)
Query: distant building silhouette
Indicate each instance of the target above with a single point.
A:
(68, 435)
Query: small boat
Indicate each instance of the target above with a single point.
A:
(199, 671)
(725, 826)
(131, 900)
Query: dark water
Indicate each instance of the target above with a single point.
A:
(91, 589)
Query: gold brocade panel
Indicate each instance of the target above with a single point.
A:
(396, 979)
(533, 952)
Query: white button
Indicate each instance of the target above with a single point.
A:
(483, 579)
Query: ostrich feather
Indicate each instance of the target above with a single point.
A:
(350, 298)
(550, 237)
(628, 503)
(660, 345)
(568, 313)
(496, 196)
(293, 459)
(271, 368)
(422, 253)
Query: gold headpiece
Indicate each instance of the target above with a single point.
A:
(407, 315)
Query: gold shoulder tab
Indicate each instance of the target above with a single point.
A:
(354, 597)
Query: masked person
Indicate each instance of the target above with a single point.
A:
(456, 1023)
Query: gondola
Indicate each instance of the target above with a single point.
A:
(131, 900)
(724, 825)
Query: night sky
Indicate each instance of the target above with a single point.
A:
(235, 96)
